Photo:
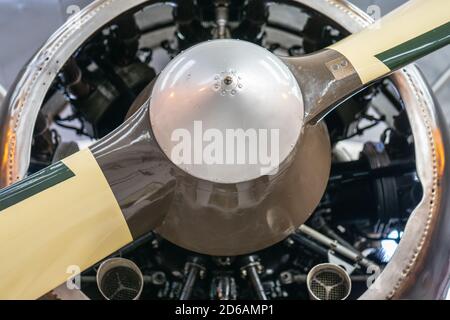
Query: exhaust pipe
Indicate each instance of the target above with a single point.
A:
(328, 281)
(120, 279)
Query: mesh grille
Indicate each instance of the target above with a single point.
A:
(121, 283)
(329, 285)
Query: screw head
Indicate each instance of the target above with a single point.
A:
(228, 80)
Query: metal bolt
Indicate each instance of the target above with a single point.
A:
(228, 80)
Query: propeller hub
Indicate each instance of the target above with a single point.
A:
(227, 111)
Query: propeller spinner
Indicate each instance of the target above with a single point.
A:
(229, 114)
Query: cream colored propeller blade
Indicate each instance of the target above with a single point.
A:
(408, 33)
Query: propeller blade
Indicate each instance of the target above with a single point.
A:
(401, 37)
(332, 75)
(82, 209)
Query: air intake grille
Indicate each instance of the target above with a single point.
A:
(121, 283)
(328, 284)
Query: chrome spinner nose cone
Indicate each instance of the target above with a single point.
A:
(227, 111)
